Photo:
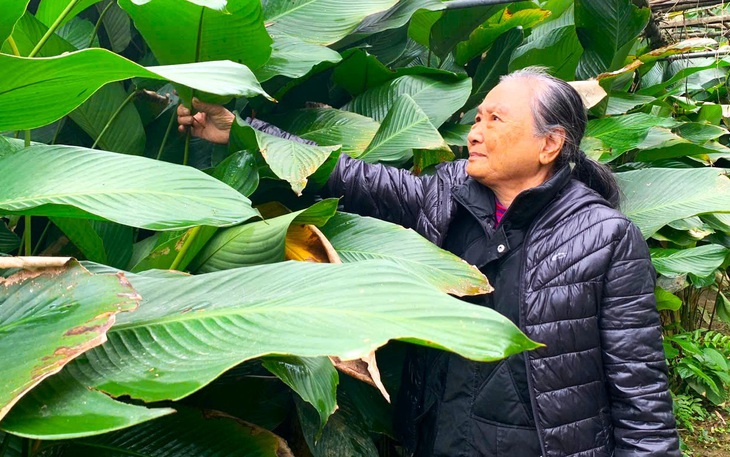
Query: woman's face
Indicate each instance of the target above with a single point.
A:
(503, 145)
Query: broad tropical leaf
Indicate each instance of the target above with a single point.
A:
(456, 25)
(358, 238)
(202, 34)
(117, 25)
(313, 378)
(164, 248)
(558, 49)
(50, 316)
(504, 21)
(406, 127)
(12, 11)
(437, 98)
(77, 411)
(258, 242)
(190, 329)
(294, 58)
(188, 432)
(79, 182)
(9, 241)
(71, 79)
(99, 241)
(360, 71)
(239, 171)
(605, 47)
(396, 16)
(667, 300)
(330, 127)
(612, 136)
(126, 134)
(700, 261)
(319, 21)
(494, 65)
(292, 161)
(655, 197)
(50, 10)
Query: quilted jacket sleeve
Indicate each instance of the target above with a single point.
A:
(377, 190)
(634, 364)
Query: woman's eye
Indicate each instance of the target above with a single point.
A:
(477, 119)
(495, 117)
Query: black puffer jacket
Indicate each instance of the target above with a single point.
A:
(584, 284)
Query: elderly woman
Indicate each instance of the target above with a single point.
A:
(538, 218)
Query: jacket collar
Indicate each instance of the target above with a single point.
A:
(480, 200)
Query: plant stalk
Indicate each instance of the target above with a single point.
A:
(98, 23)
(167, 134)
(43, 235)
(114, 117)
(28, 249)
(186, 153)
(52, 29)
(5, 444)
(185, 247)
(13, 46)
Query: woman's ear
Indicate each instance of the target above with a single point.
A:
(554, 142)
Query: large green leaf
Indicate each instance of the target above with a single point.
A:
(71, 79)
(292, 161)
(61, 408)
(360, 71)
(604, 46)
(294, 58)
(183, 32)
(188, 432)
(12, 11)
(700, 261)
(9, 241)
(258, 242)
(313, 378)
(661, 143)
(50, 316)
(612, 136)
(406, 127)
(165, 247)
(50, 10)
(68, 181)
(655, 197)
(319, 21)
(492, 67)
(117, 25)
(456, 25)
(330, 127)
(397, 16)
(559, 50)
(190, 329)
(99, 241)
(506, 20)
(346, 432)
(438, 99)
(666, 300)
(357, 238)
(126, 134)
(29, 31)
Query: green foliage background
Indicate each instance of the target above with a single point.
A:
(239, 347)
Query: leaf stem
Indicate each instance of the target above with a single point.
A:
(192, 234)
(43, 235)
(186, 153)
(52, 29)
(98, 23)
(114, 117)
(13, 46)
(28, 249)
(167, 134)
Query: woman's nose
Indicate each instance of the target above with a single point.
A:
(474, 136)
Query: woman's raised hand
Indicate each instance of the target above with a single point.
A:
(211, 122)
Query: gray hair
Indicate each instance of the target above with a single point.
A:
(557, 106)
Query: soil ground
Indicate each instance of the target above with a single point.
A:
(711, 438)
